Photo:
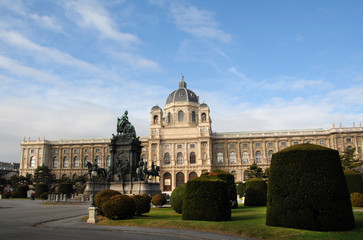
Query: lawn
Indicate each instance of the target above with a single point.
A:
(246, 221)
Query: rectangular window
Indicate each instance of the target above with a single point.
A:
(98, 150)
(349, 140)
(179, 146)
(321, 142)
(219, 146)
(258, 144)
(32, 151)
(245, 145)
(166, 146)
(192, 145)
(283, 144)
(270, 144)
(86, 150)
(76, 150)
(55, 151)
(66, 151)
(296, 142)
(232, 145)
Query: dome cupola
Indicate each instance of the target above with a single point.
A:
(182, 94)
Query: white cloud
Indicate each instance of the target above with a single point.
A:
(15, 38)
(199, 23)
(137, 61)
(17, 69)
(94, 16)
(46, 21)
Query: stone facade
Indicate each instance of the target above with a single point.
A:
(181, 142)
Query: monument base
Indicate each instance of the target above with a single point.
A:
(140, 187)
(92, 215)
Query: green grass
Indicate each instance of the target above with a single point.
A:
(246, 221)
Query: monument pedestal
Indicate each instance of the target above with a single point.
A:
(92, 215)
(139, 187)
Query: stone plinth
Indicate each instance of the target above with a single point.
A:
(141, 187)
(92, 215)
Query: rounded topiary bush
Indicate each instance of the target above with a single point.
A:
(147, 196)
(206, 199)
(354, 181)
(21, 191)
(40, 188)
(102, 197)
(158, 200)
(256, 192)
(307, 190)
(65, 188)
(176, 198)
(142, 204)
(356, 199)
(119, 207)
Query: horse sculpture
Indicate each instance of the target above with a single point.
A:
(154, 172)
(94, 167)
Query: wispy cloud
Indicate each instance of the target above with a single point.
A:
(92, 15)
(46, 21)
(15, 38)
(137, 61)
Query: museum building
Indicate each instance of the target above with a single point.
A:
(182, 143)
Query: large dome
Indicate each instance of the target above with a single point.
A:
(182, 94)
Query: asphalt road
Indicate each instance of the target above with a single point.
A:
(26, 219)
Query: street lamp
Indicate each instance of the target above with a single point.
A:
(93, 176)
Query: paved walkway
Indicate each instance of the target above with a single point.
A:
(22, 219)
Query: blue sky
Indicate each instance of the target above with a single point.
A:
(68, 69)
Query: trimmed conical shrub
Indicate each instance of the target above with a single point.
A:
(256, 191)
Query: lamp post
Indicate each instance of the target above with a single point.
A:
(93, 176)
(92, 210)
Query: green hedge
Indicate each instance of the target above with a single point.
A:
(21, 191)
(65, 188)
(142, 204)
(119, 207)
(102, 197)
(256, 192)
(176, 198)
(307, 190)
(231, 186)
(206, 199)
(40, 188)
(354, 181)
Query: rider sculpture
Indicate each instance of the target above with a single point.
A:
(124, 126)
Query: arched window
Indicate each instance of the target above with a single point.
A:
(258, 157)
(167, 181)
(76, 162)
(74, 177)
(65, 162)
(179, 179)
(192, 158)
(55, 162)
(192, 175)
(219, 157)
(166, 158)
(86, 160)
(204, 117)
(245, 157)
(108, 161)
(32, 162)
(180, 116)
(179, 158)
(270, 155)
(98, 160)
(64, 176)
(156, 119)
(169, 117)
(232, 157)
(193, 117)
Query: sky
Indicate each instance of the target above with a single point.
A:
(69, 68)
